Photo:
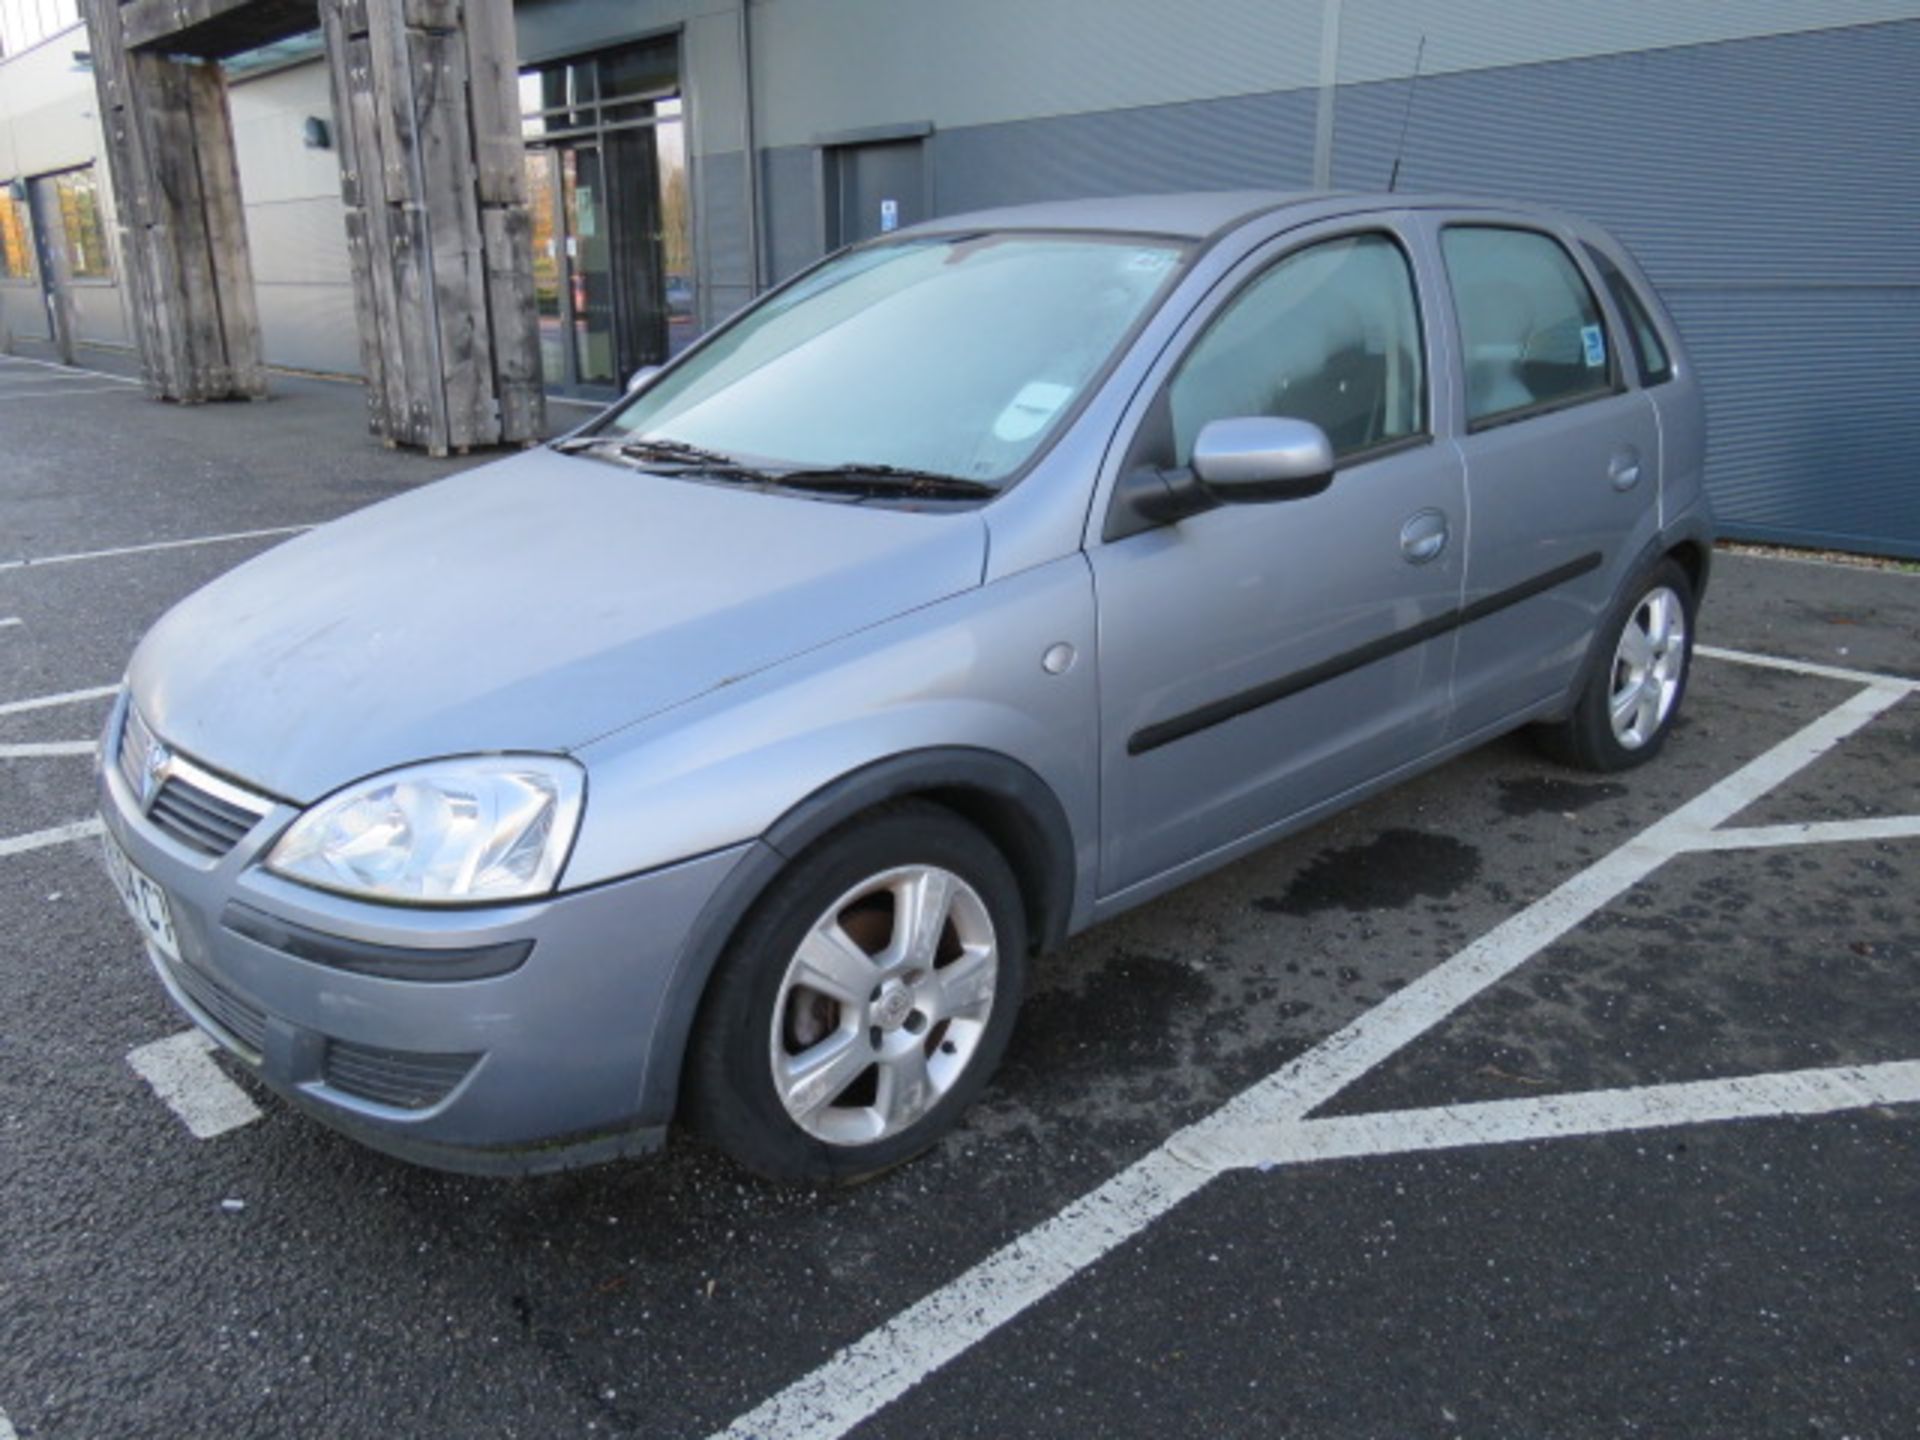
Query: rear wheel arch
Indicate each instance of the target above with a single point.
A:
(1003, 798)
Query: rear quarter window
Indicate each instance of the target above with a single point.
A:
(1649, 350)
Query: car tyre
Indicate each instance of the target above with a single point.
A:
(864, 1002)
(1636, 679)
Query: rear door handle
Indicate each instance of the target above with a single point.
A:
(1424, 536)
(1624, 469)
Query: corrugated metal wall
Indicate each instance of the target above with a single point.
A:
(1771, 187)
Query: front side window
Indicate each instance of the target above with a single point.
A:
(1530, 330)
(1331, 334)
(954, 354)
(78, 194)
(16, 245)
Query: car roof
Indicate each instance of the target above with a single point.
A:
(1199, 214)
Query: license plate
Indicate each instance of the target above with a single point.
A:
(146, 902)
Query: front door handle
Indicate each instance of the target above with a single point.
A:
(1624, 469)
(1424, 536)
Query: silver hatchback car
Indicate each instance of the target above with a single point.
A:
(730, 759)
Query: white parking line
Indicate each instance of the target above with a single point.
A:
(10, 621)
(63, 393)
(6, 1428)
(1557, 1117)
(181, 1071)
(42, 839)
(48, 702)
(1806, 667)
(1813, 832)
(67, 369)
(152, 546)
(872, 1372)
(42, 749)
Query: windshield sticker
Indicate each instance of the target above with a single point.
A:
(1595, 343)
(1028, 413)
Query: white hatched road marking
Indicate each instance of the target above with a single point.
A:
(48, 702)
(43, 749)
(181, 1071)
(41, 839)
(866, 1376)
(153, 546)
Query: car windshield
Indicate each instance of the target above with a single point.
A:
(952, 355)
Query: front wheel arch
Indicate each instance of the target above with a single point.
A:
(1016, 809)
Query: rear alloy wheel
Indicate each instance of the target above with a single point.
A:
(1635, 685)
(865, 1002)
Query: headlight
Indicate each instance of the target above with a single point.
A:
(452, 832)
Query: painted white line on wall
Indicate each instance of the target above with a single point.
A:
(152, 546)
(1557, 1117)
(181, 1071)
(860, 1380)
(42, 749)
(1806, 667)
(1813, 832)
(68, 369)
(42, 839)
(48, 702)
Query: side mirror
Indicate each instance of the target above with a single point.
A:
(1259, 458)
(641, 376)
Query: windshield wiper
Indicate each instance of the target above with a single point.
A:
(876, 478)
(666, 452)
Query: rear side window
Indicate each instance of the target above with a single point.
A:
(1330, 334)
(1529, 326)
(1648, 349)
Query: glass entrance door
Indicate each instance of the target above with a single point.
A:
(607, 188)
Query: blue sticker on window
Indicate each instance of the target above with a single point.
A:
(1594, 341)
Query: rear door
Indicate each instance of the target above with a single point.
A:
(1259, 660)
(1562, 458)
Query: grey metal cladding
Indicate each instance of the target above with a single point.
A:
(791, 194)
(1771, 189)
(723, 233)
(1248, 141)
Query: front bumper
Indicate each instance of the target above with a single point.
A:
(539, 1068)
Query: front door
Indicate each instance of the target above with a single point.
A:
(1259, 661)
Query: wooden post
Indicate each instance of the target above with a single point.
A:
(426, 113)
(183, 239)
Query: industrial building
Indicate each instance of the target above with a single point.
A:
(1762, 159)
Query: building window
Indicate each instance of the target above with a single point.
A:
(78, 195)
(25, 23)
(16, 241)
(612, 225)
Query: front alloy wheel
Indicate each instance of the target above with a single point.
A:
(865, 1000)
(884, 1005)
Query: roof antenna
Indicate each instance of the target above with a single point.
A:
(1413, 87)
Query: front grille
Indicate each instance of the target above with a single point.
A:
(403, 1079)
(193, 805)
(198, 817)
(246, 1023)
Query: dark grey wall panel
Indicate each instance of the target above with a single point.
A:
(790, 195)
(1771, 187)
(1256, 140)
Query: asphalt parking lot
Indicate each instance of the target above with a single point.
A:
(1514, 1102)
